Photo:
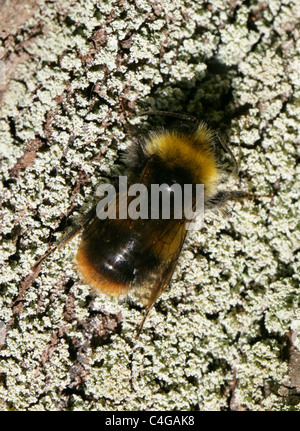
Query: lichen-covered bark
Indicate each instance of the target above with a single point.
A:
(73, 76)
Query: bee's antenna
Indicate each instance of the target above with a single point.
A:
(170, 114)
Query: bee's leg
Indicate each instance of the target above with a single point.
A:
(66, 238)
(222, 197)
(230, 153)
(140, 327)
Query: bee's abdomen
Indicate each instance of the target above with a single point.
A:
(112, 263)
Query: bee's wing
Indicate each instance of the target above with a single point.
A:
(168, 246)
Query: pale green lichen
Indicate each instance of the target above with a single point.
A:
(236, 275)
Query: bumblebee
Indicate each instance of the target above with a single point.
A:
(116, 255)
